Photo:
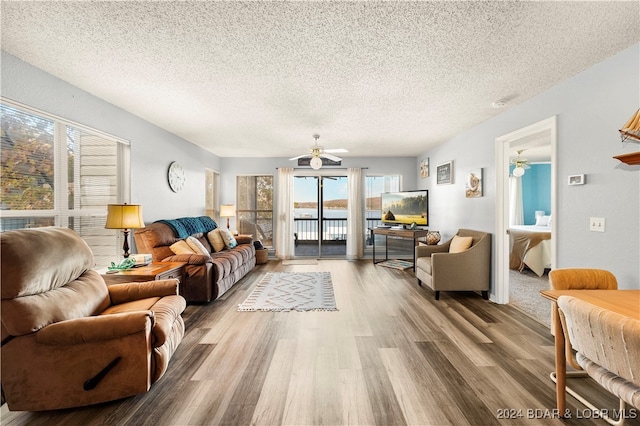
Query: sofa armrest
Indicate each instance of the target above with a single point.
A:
(244, 239)
(426, 251)
(189, 259)
(96, 328)
(127, 292)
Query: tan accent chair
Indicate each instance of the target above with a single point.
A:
(608, 348)
(469, 270)
(70, 340)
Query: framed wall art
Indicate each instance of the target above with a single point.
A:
(473, 185)
(444, 173)
(424, 168)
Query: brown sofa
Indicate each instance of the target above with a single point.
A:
(205, 277)
(68, 339)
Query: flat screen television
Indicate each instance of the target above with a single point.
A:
(405, 208)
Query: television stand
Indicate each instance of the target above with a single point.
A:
(412, 234)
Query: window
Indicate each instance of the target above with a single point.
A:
(374, 186)
(254, 207)
(54, 172)
(212, 182)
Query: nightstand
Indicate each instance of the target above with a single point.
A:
(151, 272)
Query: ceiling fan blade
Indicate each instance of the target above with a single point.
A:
(330, 157)
(336, 150)
(300, 156)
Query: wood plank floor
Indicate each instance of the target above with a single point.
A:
(391, 355)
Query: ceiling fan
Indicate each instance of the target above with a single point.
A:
(317, 153)
(520, 163)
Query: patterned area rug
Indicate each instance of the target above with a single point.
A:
(396, 264)
(292, 291)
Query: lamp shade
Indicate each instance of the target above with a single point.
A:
(227, 210)
(124, 216)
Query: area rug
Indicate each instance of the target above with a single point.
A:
(292, 291)
(396, 264)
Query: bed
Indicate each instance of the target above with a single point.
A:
(530, 246)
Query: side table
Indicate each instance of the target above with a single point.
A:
(151, 272)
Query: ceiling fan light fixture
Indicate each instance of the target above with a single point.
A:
(315, 163)
(518, 171)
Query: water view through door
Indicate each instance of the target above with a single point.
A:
(320, 212)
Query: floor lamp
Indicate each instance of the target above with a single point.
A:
(124, 216)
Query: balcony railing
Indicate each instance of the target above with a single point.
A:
(333, 229)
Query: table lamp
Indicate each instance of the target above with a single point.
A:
(124, 216)
(227, 210)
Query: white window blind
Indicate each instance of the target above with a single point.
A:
(55, 172)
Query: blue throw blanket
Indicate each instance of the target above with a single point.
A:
(185, 226)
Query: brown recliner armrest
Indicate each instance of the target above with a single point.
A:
(166, 312)
(426, 251)
(190, 259)
(96, 328)
(127, 292)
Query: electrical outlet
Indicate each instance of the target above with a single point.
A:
(596, 224)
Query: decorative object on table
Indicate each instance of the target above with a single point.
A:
(227, 210)
(630, 132)
(474, 184)
(444, 173)
(577, 180)
(287, 291)
(433, 237)
(124, 265)
(424, 168)
(176, 177)
(142, 259)
(396, 264)
(124, 216)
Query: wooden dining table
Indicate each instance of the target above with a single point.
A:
(623, 302)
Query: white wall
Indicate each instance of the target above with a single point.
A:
(152, 148)
(590, 108)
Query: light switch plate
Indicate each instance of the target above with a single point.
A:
(596, 224)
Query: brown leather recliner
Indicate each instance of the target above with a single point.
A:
(70, 340)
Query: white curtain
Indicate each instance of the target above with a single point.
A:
(516, 211)
(285, 223)
(355, 223)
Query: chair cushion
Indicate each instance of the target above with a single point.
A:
(460, 244)
(424, 263)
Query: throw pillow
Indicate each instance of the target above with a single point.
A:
(542, 220)
(229, 241)
(460, 244)
(196, 246)
(181, 247)
(215, 239)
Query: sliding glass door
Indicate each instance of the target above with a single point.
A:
(320, 211)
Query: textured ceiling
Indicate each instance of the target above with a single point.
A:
(254, 79)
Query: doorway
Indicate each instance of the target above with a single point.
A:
(320, 216)
(542, 133)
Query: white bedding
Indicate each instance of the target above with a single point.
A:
(538, 257)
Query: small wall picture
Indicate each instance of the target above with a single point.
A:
(576, 180)
(444, 173)
(424, 168)
(473, 185)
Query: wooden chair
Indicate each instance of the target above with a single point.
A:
(608, 349)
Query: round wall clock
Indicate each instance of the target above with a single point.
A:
(176, 176)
